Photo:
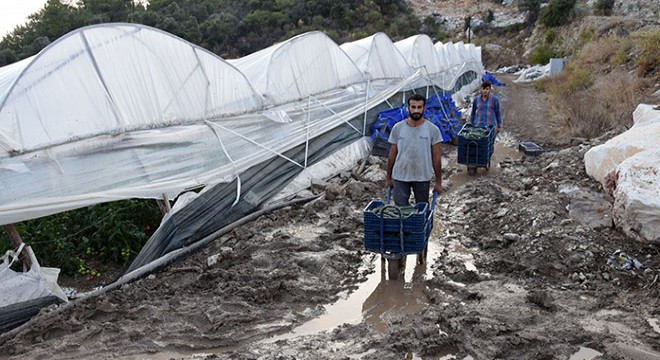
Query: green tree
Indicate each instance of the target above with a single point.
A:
(604, 7)
(490, 16)
(557, 13)
(533, 9)
(107, 10)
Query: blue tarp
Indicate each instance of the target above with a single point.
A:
(440, 110)
(490, 77)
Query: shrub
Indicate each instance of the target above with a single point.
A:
(441, 36)
(582, 108)
(490, 16)
(550, 36)
(557, 13)
(532, 7)
(622, 54)
(541, 55)
(648, 59)
(586, 35)
(600, 51)
(604, 7)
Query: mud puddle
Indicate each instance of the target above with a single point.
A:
(377, 296)
(502, 151)
(585, 354)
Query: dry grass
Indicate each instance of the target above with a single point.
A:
(606, 104)
(600, 51)
(648, 58)
(599, 89)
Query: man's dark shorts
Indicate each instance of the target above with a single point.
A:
(401, 192)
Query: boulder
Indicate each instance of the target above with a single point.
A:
(636, 208)
(628, 166)
(603, 159)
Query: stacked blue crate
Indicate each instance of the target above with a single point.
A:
(475, 151)
(447, 117)
(380, 131)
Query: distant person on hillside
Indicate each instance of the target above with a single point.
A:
(486, 108)
(414, 155)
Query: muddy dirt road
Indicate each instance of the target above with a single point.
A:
(520, 266)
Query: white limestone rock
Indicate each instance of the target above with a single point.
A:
(636, 207)
(602, 160)
(628, 166)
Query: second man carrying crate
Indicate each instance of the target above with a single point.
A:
(486, 109)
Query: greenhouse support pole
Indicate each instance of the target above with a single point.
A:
(309, 115)
(16, 241)
(366, 104)
(164, 204)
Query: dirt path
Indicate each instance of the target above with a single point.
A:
(511, 276)
(524, 111)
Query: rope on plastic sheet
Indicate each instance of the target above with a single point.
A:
(253, 142)
(14, 256)
(238, 178)
(334, 113)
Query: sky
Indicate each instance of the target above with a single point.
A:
(15, 12)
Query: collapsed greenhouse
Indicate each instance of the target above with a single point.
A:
(119, 111)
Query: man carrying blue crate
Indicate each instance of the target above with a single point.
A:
(414, 155)
(486, 108)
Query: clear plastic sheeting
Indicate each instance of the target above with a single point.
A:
(109, 79)
(343, 159)
(305, 65)
(418, 50)
(23, 294)
(193, 149)
(378, 58)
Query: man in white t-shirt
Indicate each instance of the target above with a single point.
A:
(414, 155)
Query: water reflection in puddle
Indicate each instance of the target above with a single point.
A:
(585, 354)
(501, 152)
(375, 298)
(655, 324)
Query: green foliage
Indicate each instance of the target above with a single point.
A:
(230, 28)
(542, 55)
(648, 59)
(490, 16)
(430, 26)
(604, 7)
(532, 7)
(441, 36)
(111, 232)
(622, 54)
(550, 36)
(557, 13)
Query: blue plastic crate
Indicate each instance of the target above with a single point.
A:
(416, 230)
(475, 151)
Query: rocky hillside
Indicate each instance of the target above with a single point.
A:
(501, 27)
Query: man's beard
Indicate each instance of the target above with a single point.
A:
(416, 116)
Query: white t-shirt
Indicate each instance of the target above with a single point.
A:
(413, 161)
